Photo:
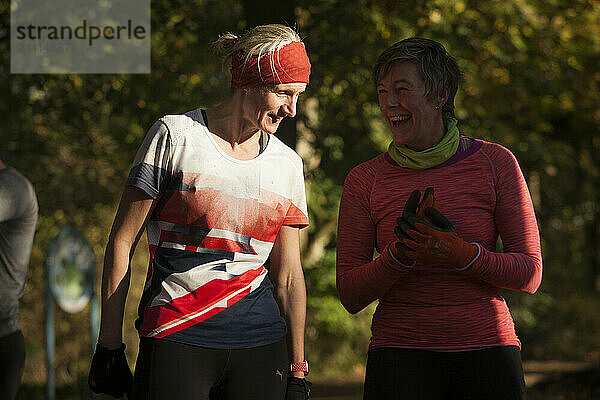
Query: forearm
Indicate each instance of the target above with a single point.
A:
(291, 297)
(358, 286)
(134, 210)
(109, 371)
(516, 271)
(115, 285)
(290, 289)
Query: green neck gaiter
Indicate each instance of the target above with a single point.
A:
(430, 157)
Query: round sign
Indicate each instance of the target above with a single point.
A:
(71, 269)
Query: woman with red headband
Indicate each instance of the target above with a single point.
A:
(442, 329)
(218, 194)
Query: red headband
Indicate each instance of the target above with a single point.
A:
(290, 61)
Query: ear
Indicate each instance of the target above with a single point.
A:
(443, 99)
(239, 94)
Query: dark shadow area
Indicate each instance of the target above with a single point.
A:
(76, 391)
(336, 388)
(579, 385)
(555, 385)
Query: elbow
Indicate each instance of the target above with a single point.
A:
(534, 279)
(119, 242)
(532, 285)
(348, 299)
(530, 289)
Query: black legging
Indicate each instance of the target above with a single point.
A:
(168, 370)
(12, 354)
(494, 373)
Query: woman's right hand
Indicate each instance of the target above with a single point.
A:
(411, 207)
(437, 242)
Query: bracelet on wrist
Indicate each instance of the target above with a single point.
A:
(301, 366)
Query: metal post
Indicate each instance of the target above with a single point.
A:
(94, 320)
(69, 253)
(50, 378)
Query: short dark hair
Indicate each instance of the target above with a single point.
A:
(439, 70)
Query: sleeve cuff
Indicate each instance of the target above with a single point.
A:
(398, 261)
(474, 258)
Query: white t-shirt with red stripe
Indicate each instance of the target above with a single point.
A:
(210, 234)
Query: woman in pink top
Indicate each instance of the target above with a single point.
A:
(442, 329)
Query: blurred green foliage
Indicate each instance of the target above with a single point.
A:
(532, 84)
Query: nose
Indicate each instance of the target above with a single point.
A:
(289, 108)
(392, 99)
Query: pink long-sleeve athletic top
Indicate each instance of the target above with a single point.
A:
(482, 191)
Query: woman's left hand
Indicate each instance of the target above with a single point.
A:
(297, 389)
(436, 242)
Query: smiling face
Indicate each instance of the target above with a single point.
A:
(265, 108)
(412, 118)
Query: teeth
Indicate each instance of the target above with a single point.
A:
(398, 118)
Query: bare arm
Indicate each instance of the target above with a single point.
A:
(132, 214)
(290, 289)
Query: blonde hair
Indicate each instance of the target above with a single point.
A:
(257, 42)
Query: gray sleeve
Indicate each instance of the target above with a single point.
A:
(18, 219)
(152, 167)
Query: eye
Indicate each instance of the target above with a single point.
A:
(381, 91)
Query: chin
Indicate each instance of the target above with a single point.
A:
(400, 138)
(269, 129)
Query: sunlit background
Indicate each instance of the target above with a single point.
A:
(532, 84)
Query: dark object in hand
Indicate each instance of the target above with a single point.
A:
(297, 389)
(110, 373)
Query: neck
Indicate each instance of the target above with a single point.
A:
(440, 130)
(226, 121)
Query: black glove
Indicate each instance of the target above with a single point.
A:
(297, 389)
(413, 208)
(109, 372)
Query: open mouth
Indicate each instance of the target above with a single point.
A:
(398, 119)
(274, 118)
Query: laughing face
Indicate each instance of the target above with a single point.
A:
(264, 108)
(413, 119)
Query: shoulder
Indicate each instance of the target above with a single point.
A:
(19, 188)
(362, 178)
(502, 162)
(367, 170)
(18, 179)
(497, 152)
(177, 125)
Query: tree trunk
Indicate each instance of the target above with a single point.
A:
(595, 245)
